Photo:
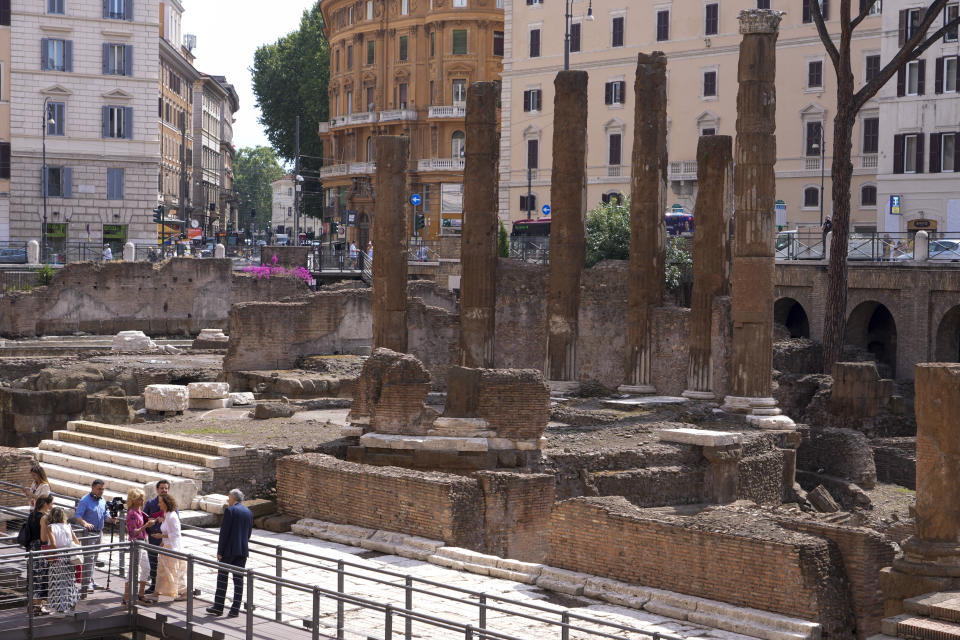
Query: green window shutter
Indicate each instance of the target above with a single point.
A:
(459, 42)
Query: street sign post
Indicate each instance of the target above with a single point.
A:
(895, 205)
(415, 199)
(546, 210)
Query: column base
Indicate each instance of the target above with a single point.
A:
(699, 395)
(637, 389)
(762, 413)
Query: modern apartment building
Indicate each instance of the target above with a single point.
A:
(83, 79)
(214, 103)
(918, 182)
(402, 67)
(701, 41)
(175, 111)
(4, 120)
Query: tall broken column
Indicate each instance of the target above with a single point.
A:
(478, 248)
(648, 201)
(754, 228)
(567, 243)
(931, 556)
(390, 245)
(711, 267)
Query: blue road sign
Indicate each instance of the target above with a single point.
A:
(415, 199)
(545, 209)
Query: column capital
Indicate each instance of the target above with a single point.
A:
(759, 21)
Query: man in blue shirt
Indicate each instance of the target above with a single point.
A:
(91, 514)
(154, 536)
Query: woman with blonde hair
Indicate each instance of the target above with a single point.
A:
(171, 571)
(62, 593)
(137, 524)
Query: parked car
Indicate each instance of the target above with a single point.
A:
(12, 255)
(946, 250)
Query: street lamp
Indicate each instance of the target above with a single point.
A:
(566, 38)
(45, 120)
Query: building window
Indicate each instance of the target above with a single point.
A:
(763, 4)
(349, 101)
(616, 31)
(118, 9)
(528, 203)
(402, 94)
(950, 13)
(708, 131)
(910, 79)
(614, 146)
(946, 78)
(4, 22)
(56, 112)
(369, 9)
(433, 43)
(875, 8)
(815, 74)
(872, 67)
(808, 12)
(871, 135)
(459, 4)
(114, 184)
(663, 25)
(710, 84)
(57, 54)
(535, 43)
(868, 195)
(336, 58)
(459, 42)
(459, 92)
(371, 105)
(909, 22)
(457, 145)
(4, 157)
(575, 37)
(117, 60)
(711, 19)
(908, 153)
(533, 153)
(371, 51)
(498, 43)
(534, 2)
(614, 92)
(55, 6)
(118, 122)
(943, 152)
(403, 48)
(814, 133)
(533, 100)
(58, 182)
(811, 197)
(404, 7)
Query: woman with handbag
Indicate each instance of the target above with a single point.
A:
(171, 571)
(36, 531)
(62, 594)
(137, 525)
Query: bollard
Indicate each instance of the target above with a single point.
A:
(219, 251)
(921, 247)
(827, 241)
(129, 252)
(33, 252)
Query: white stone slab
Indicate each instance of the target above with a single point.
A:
(206, 404)
(460, 426)
(429, 443)
(132, 341)
(165, 397)
(700, 437)
(212, 334)
(643, 401)
(208, 390)
(242, 398)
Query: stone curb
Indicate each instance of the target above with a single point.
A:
(712, 613)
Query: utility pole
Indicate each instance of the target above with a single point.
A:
(296, 189)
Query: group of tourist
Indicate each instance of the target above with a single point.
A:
(64, 579)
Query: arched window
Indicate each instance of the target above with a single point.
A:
(868, 195)
(457, 148)
(811, 197)
(369, 149)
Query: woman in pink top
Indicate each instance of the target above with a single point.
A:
(137, 524)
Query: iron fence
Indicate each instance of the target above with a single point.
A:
(536, 251)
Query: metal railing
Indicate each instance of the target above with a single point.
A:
(536, 251)
(800, 246)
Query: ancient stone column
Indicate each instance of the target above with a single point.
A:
(480, 224)
(390, 245)
(648, 201)
(754, 228)
(711, 268)
(568, 200)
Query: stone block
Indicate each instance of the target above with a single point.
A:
(269, 410)
(821, 499)
(660, 608)
(242, 398)
(132, 341)
(562, 581)
(165, 397)
(183, 490)
(208, 390)
(259, 507)
(700, 437)
(206, 404)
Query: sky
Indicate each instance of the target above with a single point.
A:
(228, 33)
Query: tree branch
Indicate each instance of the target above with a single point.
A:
(863, 14)
(824, 34)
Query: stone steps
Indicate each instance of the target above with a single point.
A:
(943, 606)
(53, 459)
(910, 627)
(99, 455)
(75, 490)
(157, 439)
(139, 448)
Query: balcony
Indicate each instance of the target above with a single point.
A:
(868, 161)
(614, 171)
(440, 164)
(682, 170)
(364, 117)
(349, 169)
(338, 122)
(323, 128)
(398, 114)
(811, 163)
(456, 110)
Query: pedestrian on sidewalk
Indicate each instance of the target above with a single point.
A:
(40, 486)
(232, 549)
(137, 524)
(171, 570)
(62, 594)
(91, 514)
(353, 255)
(152, 509)
(36, 525)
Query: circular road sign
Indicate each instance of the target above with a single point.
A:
(415, 199)
(545, 209)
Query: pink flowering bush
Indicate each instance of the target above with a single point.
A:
(264, 271)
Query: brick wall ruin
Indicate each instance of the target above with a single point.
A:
(15, 468)
(179, 296)
(27, 417)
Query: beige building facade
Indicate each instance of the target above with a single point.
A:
(4, 120)
(701, 42)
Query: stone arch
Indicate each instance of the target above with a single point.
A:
(789, 313)
(871, 326)
(947, 345)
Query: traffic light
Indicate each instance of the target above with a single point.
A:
(253, 213)
(158, 214)
(419, 221)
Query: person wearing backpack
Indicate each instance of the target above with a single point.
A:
(31, 537)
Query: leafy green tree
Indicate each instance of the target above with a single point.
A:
(679, 263)
(608, 232)
(290, 78)
(503, 243)
(254, 169)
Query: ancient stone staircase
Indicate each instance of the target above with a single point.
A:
(932, 616)
(126, 458)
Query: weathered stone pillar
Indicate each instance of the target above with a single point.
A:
(479, 241)
(567, 245)
(931, 557)
(711, 267)
(754, 195)
(648, 201)
(390, 245)
(129, 252)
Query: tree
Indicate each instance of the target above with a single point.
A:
(608, 232)
(254, 169)
(913, 42)
(290, 78)
(503, 242)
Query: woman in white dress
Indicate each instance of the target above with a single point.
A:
(171, 572)
(62, 592)
(40, 486)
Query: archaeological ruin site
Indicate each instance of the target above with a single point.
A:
(544, 451)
